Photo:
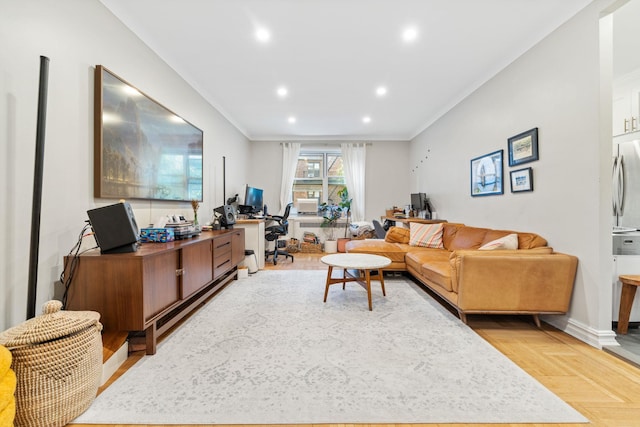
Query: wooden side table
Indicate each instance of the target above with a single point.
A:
(629, 285)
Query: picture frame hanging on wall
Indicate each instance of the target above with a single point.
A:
(521, 180)
(523, 148)
(486, 174)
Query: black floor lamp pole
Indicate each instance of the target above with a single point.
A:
(37, 188)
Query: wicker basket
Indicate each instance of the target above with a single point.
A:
(7, 389)
(57, 358)
(310, 248)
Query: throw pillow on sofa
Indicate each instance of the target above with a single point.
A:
(425, 235)
(397, 235)
(509, 241)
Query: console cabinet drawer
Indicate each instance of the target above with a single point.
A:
(222, 255)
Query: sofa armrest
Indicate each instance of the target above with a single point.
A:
(532, 280)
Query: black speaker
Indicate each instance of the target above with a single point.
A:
(227, 215)
(115, 228)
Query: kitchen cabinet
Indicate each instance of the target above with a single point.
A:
(626, 104)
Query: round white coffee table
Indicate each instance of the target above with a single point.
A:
(363, 263)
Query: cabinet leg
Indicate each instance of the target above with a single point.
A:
(150, 336)
(536, 320)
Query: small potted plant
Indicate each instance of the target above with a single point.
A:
(330, 217)
(345, 205)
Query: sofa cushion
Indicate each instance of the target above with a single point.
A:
(510, 241)
(425, 235)
(397, 235)
(433, 265)
(394, 251)
(467, 238)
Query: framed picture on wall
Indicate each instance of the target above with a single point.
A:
(486, 174)
(523, 148)
(521, 180)
(142, 150)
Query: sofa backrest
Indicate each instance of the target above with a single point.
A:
(458, 236)
(525, 240)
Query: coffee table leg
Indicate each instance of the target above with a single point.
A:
(367, 276)
(381, 275)
(326, 289)
(344, 276)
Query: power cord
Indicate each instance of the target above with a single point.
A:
(71, 262)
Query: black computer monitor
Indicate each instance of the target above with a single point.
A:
(419, 201)
(253, 198)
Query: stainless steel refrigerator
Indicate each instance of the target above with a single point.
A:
(626, 216)
(626, 183)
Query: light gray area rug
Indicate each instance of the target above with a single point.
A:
(267, 350)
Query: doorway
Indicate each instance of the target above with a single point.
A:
(625, 106)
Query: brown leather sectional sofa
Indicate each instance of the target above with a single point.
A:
(532, 279)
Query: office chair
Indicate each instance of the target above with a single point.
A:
(380, 231)
(272, 233)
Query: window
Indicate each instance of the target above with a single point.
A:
(319, 175)
(174, 170)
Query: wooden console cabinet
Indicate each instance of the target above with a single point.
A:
(153, 288)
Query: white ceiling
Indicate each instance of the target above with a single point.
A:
(333, 54)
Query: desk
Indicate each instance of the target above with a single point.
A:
(404, 222)
(254, 237)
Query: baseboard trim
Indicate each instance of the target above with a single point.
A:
(111, 365)
(593, 337)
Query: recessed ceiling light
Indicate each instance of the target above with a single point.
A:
(381, 91)
(409, 34)
(263, 35)
(282, 91)
(366, 119)
(291, 119)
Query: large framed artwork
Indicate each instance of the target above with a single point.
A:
(142, 150)
(523, 148)
(486, 174)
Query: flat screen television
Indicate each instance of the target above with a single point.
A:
(253, 200)
(142, 150)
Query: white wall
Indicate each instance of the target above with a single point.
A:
(387, 173)
(77, 35)
(555, 87)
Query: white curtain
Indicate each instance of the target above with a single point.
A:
(354, 161)
(290, 153)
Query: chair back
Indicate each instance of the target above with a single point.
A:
(380, 231)
(284, 221)
(287, 210)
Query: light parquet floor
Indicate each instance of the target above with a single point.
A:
(605, 389)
